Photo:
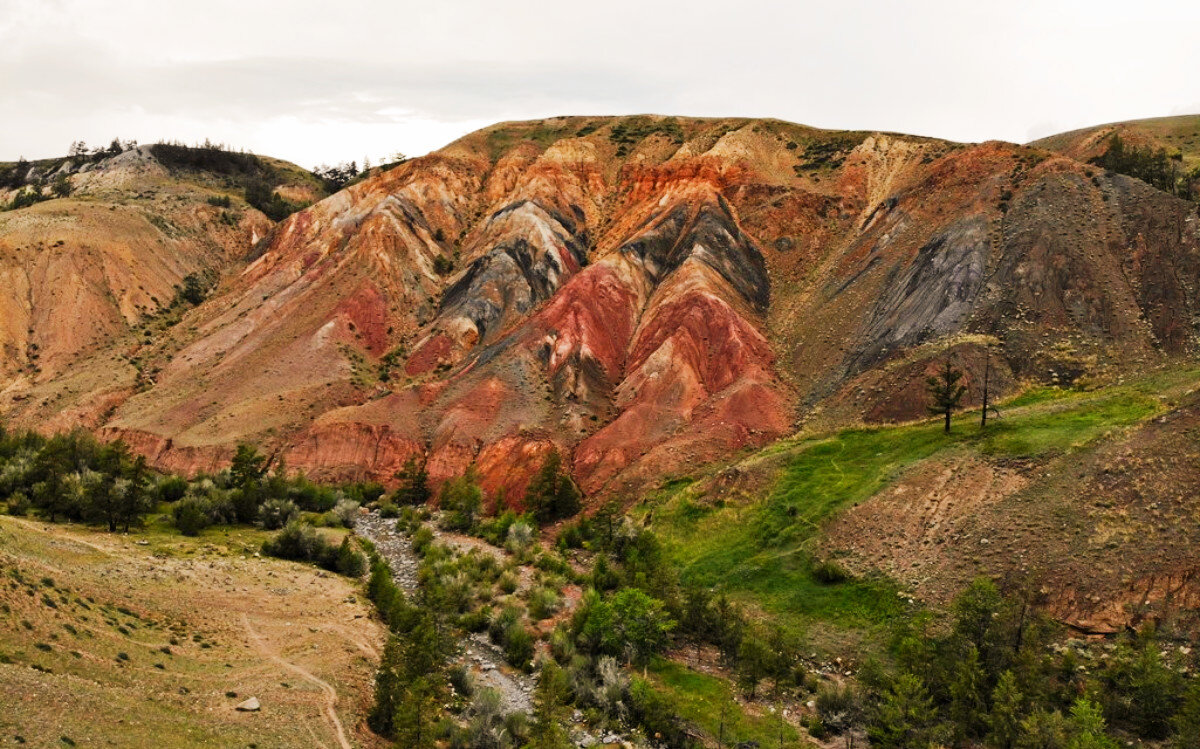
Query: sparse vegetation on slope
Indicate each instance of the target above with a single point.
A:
(761, 549)
(153, 639)
(256, 177)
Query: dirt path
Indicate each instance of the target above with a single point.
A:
(59, 535)
(330, 693)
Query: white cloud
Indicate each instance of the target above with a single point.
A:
(316, 81)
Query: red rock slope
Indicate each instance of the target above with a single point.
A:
(649, 293)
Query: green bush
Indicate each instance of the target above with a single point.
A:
(421, 541)
(276, 513)
(518, 646)
(829, 573)
(301, 543)
(388, 510)
(543, 602)
(170, 488)
(18, 504)
(191, 515)
(296, 542)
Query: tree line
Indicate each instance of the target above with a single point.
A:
(73, 477)
(1153, 166)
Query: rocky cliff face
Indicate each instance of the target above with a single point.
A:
(647, 294)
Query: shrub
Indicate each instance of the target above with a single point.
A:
(519, 538)
(518, 646)
(296, 542)
(503, 619)
(462, 680)
(475, 621)
(829, 573)
(421, 541)
(388, 510)
(276, 513)
(543, 602)
(839, 707)
(508, 582)
(346, 511)
(191, 515)
(170, 488)
(301, 543)
(19, 504)
(347, 561)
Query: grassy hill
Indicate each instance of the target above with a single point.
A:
(803, 528)
(1179, 134)
(153, 639)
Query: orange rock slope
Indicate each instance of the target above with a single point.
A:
(645, 294)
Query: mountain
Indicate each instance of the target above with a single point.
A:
(1176, 135)
(646, 295)
(99, 254)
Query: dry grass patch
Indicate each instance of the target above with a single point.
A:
(153, 640)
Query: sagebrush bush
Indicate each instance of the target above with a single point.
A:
(276, 513)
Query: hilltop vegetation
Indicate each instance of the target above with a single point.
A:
(1155, 167)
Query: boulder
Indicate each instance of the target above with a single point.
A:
(249, 706)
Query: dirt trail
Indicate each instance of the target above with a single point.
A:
(62, 536)
(330, 693)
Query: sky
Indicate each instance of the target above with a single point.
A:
(340, 80)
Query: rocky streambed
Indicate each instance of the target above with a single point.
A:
(484, 659)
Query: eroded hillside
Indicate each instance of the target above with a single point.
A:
(648, 293)
(90, 271)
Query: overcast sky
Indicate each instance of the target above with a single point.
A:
(337, 80)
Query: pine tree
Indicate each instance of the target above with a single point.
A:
(1155, 691)
(246, 473)
(417, 712)
(414, 483)
(552, 493)
(968, 708)
(1044, 729)
(905, 716)
(1087, 727)
(549, 709)
(1007, 708)
(945, 392)
(388, 682)
(1187, 720)
(462, 501)
(134, 499)
(753, 664)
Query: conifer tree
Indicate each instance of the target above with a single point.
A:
(1007, 708)
(905, 716)
(944, 391)
(414, 483)
(552, 493)
(549, 709)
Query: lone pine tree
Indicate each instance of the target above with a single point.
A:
(944, 391)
